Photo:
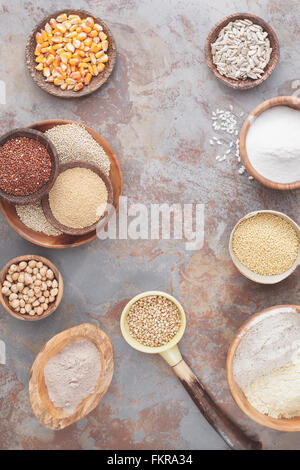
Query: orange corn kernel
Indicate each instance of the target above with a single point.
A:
(75, 75)
(78, 87)
(88, 78)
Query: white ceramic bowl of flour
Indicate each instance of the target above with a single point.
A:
(270, 143)
(260, 364)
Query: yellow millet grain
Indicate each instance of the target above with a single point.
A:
(266, 244)
(76, 197)
(153, 320)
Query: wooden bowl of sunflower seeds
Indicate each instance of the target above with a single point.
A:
(242, 51)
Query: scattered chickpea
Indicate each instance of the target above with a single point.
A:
(30, 287)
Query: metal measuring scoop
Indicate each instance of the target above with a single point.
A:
(225, 427)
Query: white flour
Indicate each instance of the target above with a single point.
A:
(273, 144)
(277, 394)
(72, 374)
(269, 344)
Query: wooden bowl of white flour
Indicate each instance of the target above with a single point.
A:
(263, 368)
(270, 143)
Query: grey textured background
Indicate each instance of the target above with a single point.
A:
(155, 112)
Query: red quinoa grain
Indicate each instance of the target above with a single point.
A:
(25, 166)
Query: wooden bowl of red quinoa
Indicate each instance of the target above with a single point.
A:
(39, 137)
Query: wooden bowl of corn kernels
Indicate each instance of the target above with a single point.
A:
(92, 80)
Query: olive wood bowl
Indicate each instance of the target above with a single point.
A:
(42, 139)
(292, 102)
(280, 424)
(46, 412)
(52, 307)
(63, 240)
(95, 83)
(263, 279)
(78, 231)
(249, 82)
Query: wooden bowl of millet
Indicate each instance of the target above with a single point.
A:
(105, 216)
(96, 81)
(4, 300)
(249, 82)
(51, 150)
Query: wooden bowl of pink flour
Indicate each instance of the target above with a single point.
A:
(70, 375)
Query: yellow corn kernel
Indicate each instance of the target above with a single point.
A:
(44, 44)
(99, 54)
(61, 18)
(89, 21)
(57, 39)
(104, 58)
(46, 72)
(64, 58)
(81, 36)
(74, 61)
(95, 70)
(38, 38)
(88, 42)
(63, 86)
(70, 47)
(50, 79)
(105, 45)
(96, 48)
(52, 22)
(48, 28)
(98, 27)
(50, 59)
(44, 35)
(71, 35)
(75, 21)
(81, 53)
(76, 43)
(40, 66)
(70, 81)
(40, 59)
(90, 68)
(102, 36)
(93, 34)
(45, 50)
(86, 29)
(70, 87)
(88, 78)
(61, 28)
(101, 67)
(73, 28)
(74, 17)
(58, 82)
(93, 58)
(38, 49)
(86, 59)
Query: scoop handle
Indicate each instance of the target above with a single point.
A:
(227, 429)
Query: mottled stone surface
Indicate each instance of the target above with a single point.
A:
(155, 111)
